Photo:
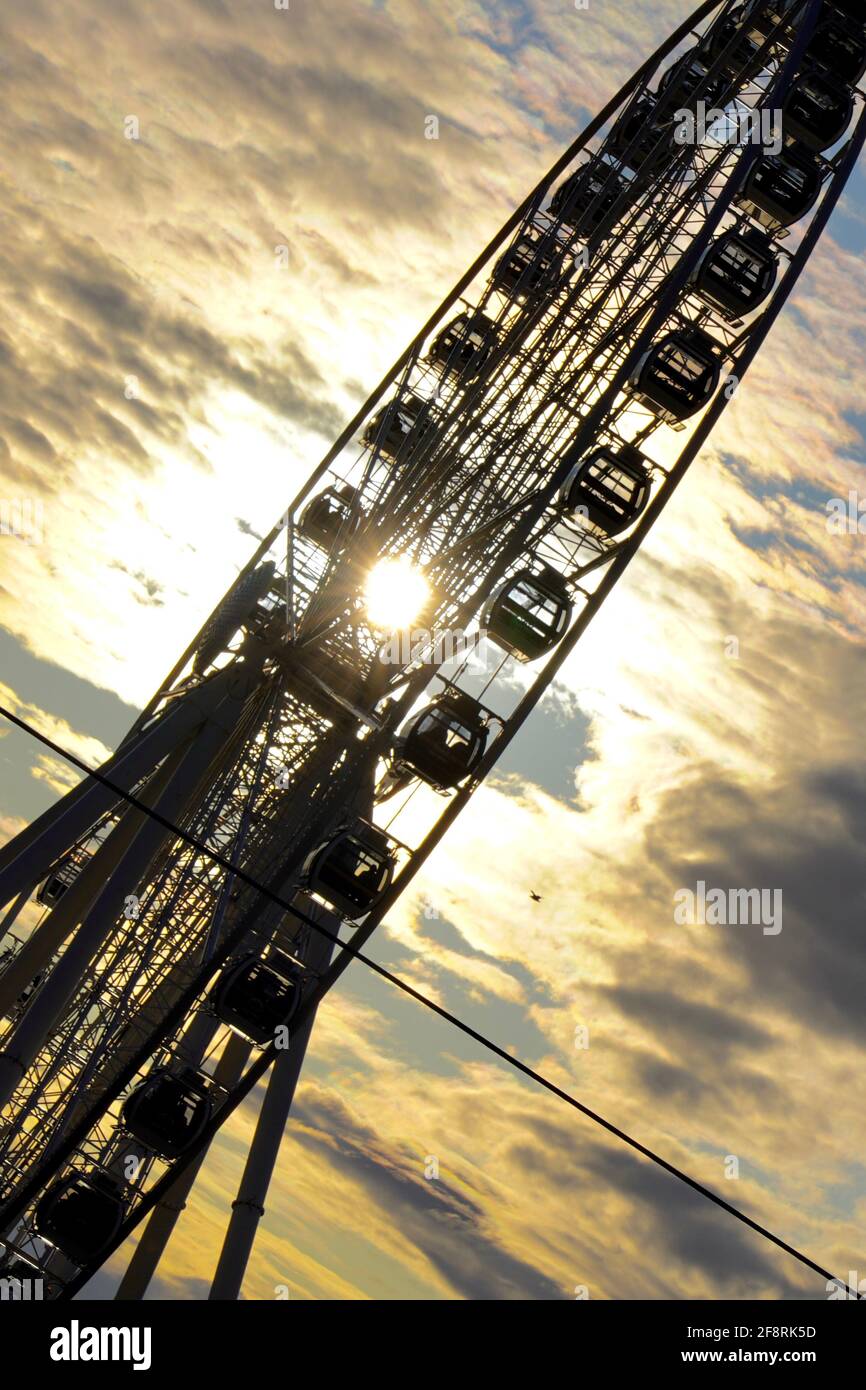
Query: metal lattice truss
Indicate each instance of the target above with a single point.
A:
(278, 728)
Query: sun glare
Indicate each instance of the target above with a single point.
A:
(395, 595)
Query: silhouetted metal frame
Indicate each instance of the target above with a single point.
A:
(450, 300)
(625, 552)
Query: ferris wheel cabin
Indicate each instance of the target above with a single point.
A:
(254, 997)
(530, 269)
(167, 1113)
(58, 881)
(238, 609)
(464, 345)
(529, 613)
(331, 516)
(637, 140)
(779, 189)
(609, 489)
(585, 199)
(351, 871)
(80, 1215)
(399, 427)
(763, 19)
(838, 47)
(817, 110)
(732, 47)
(677, 375)
(687, 80)
(444, 742)
(737, 271)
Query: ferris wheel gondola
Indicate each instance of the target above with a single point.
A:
(513, 460)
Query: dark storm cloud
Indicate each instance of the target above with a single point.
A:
(449, 1228)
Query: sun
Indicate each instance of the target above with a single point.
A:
(395, 594)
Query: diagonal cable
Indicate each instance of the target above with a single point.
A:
(258, 1069)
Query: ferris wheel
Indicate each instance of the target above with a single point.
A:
(205, 887)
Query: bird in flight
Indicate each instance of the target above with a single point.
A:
(536, 897)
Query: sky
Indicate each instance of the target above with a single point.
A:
(168, 375)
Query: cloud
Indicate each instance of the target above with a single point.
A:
(90, 750)
(161, 353)
(447, 1225)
